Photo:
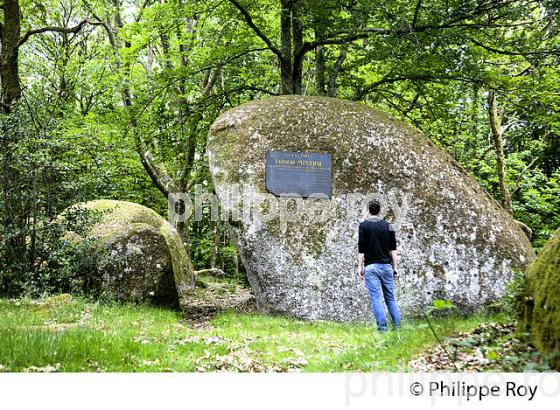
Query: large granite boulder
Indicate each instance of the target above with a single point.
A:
(141, 256)
(543, 315)
(454, 241)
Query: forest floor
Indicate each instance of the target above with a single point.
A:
(491, 346)
(76, 335)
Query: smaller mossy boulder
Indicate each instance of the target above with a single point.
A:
(141, 256)
(543, 315)
(54, 302)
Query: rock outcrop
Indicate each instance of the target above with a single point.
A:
(454, 241)
(142, 258)
(543, 317)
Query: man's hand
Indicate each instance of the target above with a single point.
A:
(395, 272)
(361, 273)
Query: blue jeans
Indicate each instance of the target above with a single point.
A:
(379, 276)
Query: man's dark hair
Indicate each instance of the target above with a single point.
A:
(374, 207)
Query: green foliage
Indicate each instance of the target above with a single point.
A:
(97, 100)
(517, 295)
(439, 304)
(38, 182)
(539, 205)
(69, 266)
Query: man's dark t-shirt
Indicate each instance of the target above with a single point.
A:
(375, 240)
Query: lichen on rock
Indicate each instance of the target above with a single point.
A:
(144, 258)
(454, 240)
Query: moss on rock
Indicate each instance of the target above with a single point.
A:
(145, 258)
(54, 302)
(543, 319)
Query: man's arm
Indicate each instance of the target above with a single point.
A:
(361, 265)
(394, 260)
(361, 250)
(393, 249)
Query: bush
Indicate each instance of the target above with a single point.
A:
(62, 264)
(69, 266)
(38, 181)
(517, 295)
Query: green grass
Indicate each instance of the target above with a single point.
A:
(107, 337)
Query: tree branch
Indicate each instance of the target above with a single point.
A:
(157, 174)
(412, 104)
(507, 52)
(334, 73)
(423, 77)
(66, 30)
(104, 24)
(108, 30)
(142, 8)
(460, 20)
(308, 46)
(416, 11)
(255, 28)
(517, 185)
(486, 151)
(390, 102)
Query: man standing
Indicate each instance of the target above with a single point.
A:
(377, 263)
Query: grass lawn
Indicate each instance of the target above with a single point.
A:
(81, 336)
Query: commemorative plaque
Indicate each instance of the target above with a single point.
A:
(298, 173)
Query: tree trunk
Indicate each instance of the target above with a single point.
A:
(333, 76)
(496, 126)
(235, 261)
(10, 33)
(216, 244)
(475, 108)
(286, 47)
(320, 88)
(222, 261)
(13, 211)
(297, 43)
